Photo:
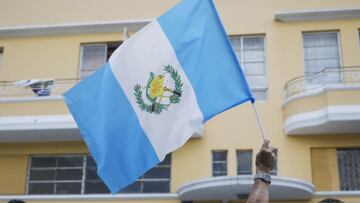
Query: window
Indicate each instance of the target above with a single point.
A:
(321, 51)
(244, 162)
(156, 180)
(1, 57)
(93, 56)
(250, 51)
(219, 163)
(349, 168)
(77, 175)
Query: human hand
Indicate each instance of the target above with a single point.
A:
(265, 159)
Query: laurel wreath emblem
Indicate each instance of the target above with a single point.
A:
(154, 104)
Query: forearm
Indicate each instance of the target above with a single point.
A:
(259, 192)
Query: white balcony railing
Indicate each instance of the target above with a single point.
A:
(10, 90)
(345, 76)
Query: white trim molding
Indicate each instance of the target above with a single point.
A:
(44, 128)
(92, 197)
(328, 120)
(38, 128)
(235, 187)
(30, 99)
(337, 194)
(73, 28)
(320, 90)
(15, 123)
(318, 15)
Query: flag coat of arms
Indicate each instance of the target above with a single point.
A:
(156, 91)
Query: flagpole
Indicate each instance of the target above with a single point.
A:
(261, 126)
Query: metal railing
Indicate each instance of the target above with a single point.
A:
(344, 76)
(35, 88)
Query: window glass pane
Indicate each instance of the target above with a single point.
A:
(68, 188)
(91, 174)
(322, 53)
(96, 187)
(235, 41)
(1, 58)
(256, 43)
(90, 162)
(133, 188)
(219, 165)
(219, 173)
(167, 160)
(321, 50)
(256, 81)
(156, 187)
(320, 39)
(256, 68)
(253, 56)
(250, 51)
(42, 174)
(158, 172)
(69, 174)
(260, 95)
(349, 169)
(70, 161)
(111, 49)
(41, 188)
(244, 162)
(315, 66)
(93, 57)
(220, 156)
(40, 162)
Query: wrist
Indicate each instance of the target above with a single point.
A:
(264, 177)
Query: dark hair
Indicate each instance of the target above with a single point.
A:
(16, 201)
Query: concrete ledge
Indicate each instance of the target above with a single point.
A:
(73, 28)
(317, 15)
(235, 187)
(91, 197)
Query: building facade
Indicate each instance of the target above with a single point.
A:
(301, 59)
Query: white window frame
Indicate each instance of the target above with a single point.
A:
(82, 55)
(219, 162)
(340, 152)
(264, 90)
(237, 161)
(1, 57)
(142, 180)
(83, 179)
(337, 32)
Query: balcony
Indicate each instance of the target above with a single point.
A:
(239, 187)
(32, 90)
(327, 102)
(34, 110)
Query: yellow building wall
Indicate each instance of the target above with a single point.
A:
(13, 174)
(58, 57)
(325, 169)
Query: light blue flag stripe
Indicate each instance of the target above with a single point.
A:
(110, 129)
(206, 55)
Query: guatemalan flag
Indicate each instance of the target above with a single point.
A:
(156, 91)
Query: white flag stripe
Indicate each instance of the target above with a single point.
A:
(149, 51)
